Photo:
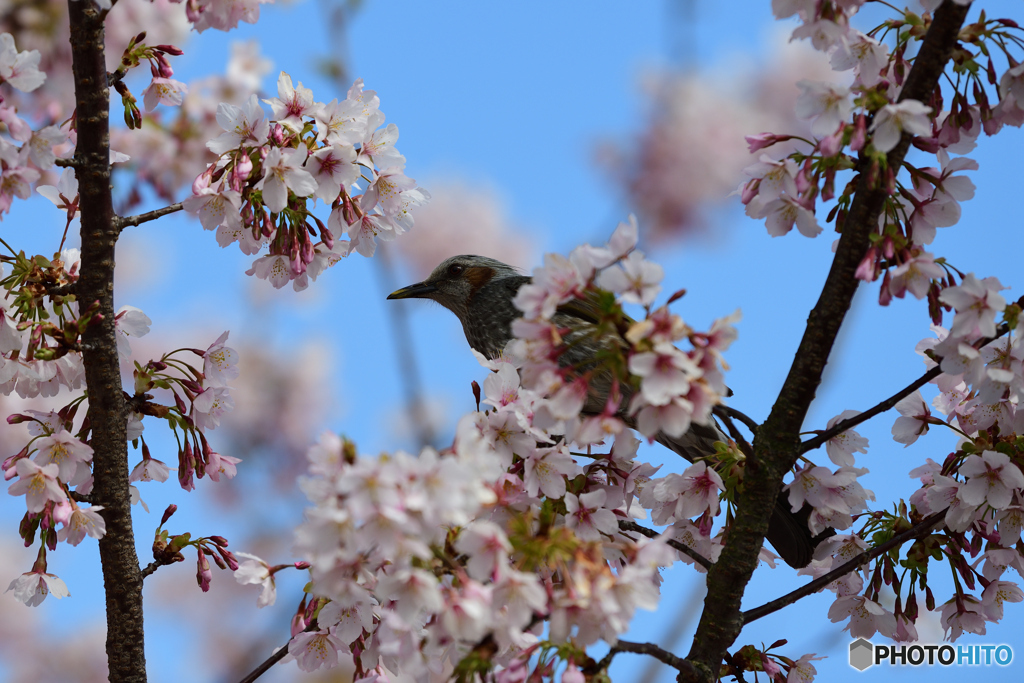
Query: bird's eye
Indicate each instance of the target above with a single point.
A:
(456, 269)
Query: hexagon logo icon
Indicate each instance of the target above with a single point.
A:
(861, 654)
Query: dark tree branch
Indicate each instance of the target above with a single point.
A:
(123, 223)
(777, 444)
(151, 568)
(122, 580)
(734, 432)
(920, 529)
(890, 402)
(629, 525)
(664, 656)
(726, 411)
(65, 163)
(274, 658)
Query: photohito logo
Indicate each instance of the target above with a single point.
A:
(864, 653)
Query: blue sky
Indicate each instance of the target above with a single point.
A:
(514, 98)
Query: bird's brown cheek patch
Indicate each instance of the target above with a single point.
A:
(477, 277)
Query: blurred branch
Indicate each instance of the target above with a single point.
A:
(408, 368)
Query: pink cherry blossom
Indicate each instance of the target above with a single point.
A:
(32, 587)
(892, 120)
(253, 570)
(243, 125)
(83, 522)
(39, 484)
(634, 278)
(292, 103)
(991, 479)
(841, 447)
(165, 91)
(283, 172)
(333, 168)
(827, 105)
(976, 303)
(65, 451)
(666, 373)
(19, 69)
(866, 616)
(587, 517)
(693, 492)
(315, 649)
(215, 207)
(915, 275)
(220, 362)
(914, 421)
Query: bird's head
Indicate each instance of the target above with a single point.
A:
(455, 282)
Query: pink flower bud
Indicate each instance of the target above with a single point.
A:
(866, 269)
(202, 181)
(203, 572)
(171, 509)
(859, 133)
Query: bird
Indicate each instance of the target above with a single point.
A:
(480, 292)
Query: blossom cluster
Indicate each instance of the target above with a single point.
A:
(450, 562)
(21, 164)
(259, 190)
(869, 117)
(40, 355)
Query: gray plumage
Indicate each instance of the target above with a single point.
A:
(480, 290)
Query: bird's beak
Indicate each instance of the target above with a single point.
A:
(420, 290)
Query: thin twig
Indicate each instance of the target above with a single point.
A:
(677, 663)
(275, 658)
(890, 402)
(65, 163)
(917, 531)
(123, 223)
(750, 423)
(629, 525)
(151, 567)
(406, 352)
(734, 432)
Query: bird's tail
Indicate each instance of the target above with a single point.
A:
(787, 530)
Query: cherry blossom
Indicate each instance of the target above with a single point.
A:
(32, 587)
(992, 479)
(976, 303)
(255, 571)
(66, 452)
(38, 483)
(292, 103)
(892, 120)
(246, 124)
(826, 104)
(867, 617)
(82, 522)
(635, 279)
(20, 69)
(283, 172)
(841, 447)
(220, 362)
(914, 421)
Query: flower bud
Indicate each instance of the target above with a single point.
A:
(171, 509)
